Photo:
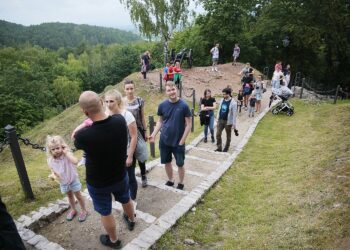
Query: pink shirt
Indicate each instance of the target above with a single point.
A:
(88, 122)
(65, 168)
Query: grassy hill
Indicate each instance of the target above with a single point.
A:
(288, 189)
(56, 35)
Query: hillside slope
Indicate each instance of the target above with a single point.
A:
(56, 35)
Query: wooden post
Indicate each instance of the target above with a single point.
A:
(160, 83)
(18, 158)
(336, 94)
(151, 129)
(302, 87)
(194, 99)
(192, 128)
(180, 89)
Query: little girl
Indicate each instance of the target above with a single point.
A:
(63, 165)
(252, 102)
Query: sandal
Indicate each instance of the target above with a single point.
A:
(82, 216)
(71, 215)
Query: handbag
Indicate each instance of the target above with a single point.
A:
(141, 152)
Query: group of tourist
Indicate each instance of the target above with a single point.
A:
(109, 138)
(114, 126)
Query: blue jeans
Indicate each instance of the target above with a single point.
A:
(210, 125)
(132, 180)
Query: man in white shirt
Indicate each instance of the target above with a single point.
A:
(215, 56)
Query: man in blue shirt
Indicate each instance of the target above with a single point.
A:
(226, 119)
(175, 124)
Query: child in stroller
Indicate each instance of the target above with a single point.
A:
(282, 94)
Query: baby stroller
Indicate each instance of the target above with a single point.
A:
(282, 94)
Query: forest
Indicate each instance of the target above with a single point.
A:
(43, 68)
(57, 35)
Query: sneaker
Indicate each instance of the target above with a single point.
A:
(169, 183)
(180, 186)
(82, 216)
(225, 149)
(218, 150)
(71, 215)
(131, 224)
(205, 140)
(106, 241)
(236, 132)
(212, 139)
(144, 181)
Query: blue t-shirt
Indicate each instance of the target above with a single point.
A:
(173, 115)
(225, 107)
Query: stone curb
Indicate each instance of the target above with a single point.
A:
(36, 219)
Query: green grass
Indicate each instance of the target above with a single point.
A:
(282, 192)
(45, 190)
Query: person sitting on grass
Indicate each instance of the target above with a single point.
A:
(63, 165)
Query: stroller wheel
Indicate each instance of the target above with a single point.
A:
(290, 112)
(274, 111)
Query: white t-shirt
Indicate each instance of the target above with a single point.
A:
(215, 52)
(65, 168)
(129, 118)
(277, 75)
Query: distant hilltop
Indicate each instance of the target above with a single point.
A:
(56, 35)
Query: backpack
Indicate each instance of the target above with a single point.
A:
(246, 88)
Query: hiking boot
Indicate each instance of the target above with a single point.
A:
(212, 139)
(205, 140)
(236, 132)
(180, 186)
(144, 181)
(169, 183)
(106, 241)
(225, 149)
(218, 150)
(130, 224)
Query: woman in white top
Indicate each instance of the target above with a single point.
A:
(115, 105)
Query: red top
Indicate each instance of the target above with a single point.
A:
(177, 69)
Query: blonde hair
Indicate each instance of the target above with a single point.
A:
(117, 97)
(52, 140)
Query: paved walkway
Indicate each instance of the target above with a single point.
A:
(158, 208)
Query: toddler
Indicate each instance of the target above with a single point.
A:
(63, 166)
(252, 102)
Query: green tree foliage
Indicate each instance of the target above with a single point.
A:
(158, 17)
(37, 83)
(66, 91)
(57, 35)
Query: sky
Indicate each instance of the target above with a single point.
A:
(106, 13)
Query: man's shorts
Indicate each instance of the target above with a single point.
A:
(166, 153)
(102, 197)
(75, 186)
(215, 60)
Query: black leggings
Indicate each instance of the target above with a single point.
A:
(142, 164)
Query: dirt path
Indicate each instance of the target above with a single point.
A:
(160, 206)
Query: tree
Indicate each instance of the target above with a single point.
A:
(159, 18)
(67, 91)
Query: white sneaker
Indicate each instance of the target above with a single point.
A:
(82, 161)
(212, 69)
(216, 69)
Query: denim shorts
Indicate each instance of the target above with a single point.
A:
(102, 197)
(166, 153)
(75, 186)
